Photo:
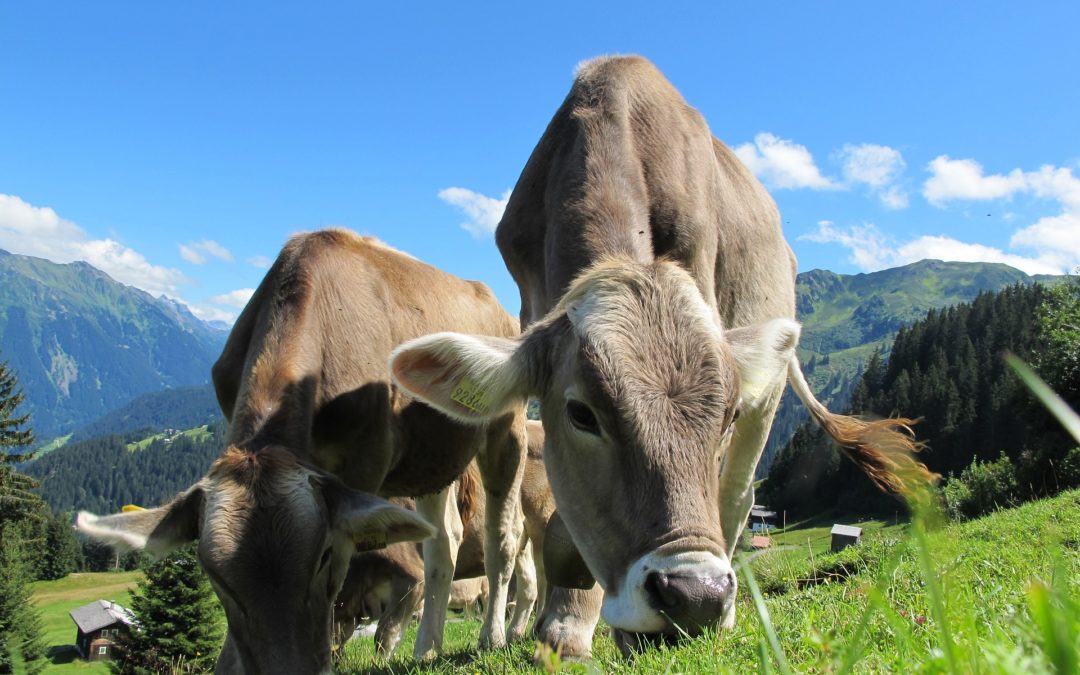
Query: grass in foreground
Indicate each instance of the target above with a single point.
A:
(56, 598)
(999, 594)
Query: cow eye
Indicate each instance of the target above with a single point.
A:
(582, 417)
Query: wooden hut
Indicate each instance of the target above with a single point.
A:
(844, 536)
(99, 625)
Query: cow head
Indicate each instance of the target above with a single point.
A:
(640, 387)
(275, 537)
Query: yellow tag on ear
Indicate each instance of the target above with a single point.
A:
(470, 395)
(372, 542)
(128, 508)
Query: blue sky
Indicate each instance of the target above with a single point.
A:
(178, 145)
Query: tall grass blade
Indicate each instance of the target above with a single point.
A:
(934, 592)
(766, 621)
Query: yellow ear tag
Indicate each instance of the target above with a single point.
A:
(470, 395)
(128, 508)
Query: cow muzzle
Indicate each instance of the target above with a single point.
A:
(672, 594)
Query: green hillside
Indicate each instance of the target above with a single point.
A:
(845, 317)
(998, 595)
(83, 344)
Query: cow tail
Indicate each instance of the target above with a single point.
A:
(884, 449)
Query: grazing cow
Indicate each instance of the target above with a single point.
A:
(303, 381)
(659, 293)
(387, 585)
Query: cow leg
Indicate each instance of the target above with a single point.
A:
(502, 464)
(525, 594)
(440, 556)
(737, 474)
(569, 620)
(405, 597)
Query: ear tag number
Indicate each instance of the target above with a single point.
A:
(470, 395)
(372, 542)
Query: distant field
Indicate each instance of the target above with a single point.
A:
(201, 433)
(57, 598)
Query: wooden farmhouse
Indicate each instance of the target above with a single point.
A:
(844, 536)
(761, 519)
(99, 625)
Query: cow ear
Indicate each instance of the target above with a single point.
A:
(157, 531)
(470, 378)
(762, 352)
(372, 522)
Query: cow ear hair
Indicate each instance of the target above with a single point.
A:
(372, 522)
(762, 352)
(468, 377)
(157, 531)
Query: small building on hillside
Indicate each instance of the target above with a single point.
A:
(99, 625)
(844, 536)
(761, 519)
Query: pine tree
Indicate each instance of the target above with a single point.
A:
(62, 552)
(178, 618)
(11, 433)
(20, 621)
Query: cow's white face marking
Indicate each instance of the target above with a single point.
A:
(629, 608)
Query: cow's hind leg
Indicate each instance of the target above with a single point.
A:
(737, 474)
(525, 593)
(440, 556)
(502, 464)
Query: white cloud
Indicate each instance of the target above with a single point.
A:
(953, 179)
(869, 249)
(783, 164)
(872, 250)
(196, 252)
(1054, 240)
(38, 231)
(484, 212)
(237, 298)
(877, 166)
(211, 313)
(260, 261)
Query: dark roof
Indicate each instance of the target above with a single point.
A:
(100, 614)
(847, 530)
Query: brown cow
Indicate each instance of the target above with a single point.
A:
(304, 382)
(660, 296)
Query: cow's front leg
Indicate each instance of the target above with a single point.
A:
(502, 464)
(568, 619)
(737, 475)
(440, 557)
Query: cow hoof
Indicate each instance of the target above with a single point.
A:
(568, 644)
(488, 642)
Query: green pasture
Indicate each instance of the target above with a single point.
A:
(56, 598)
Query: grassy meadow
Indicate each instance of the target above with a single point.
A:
(1000, 594)
(56, 598)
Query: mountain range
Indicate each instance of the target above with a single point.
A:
(83, 344)
(96, 357)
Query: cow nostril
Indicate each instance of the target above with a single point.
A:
(658, 587)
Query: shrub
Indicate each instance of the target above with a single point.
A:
(982, 488)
